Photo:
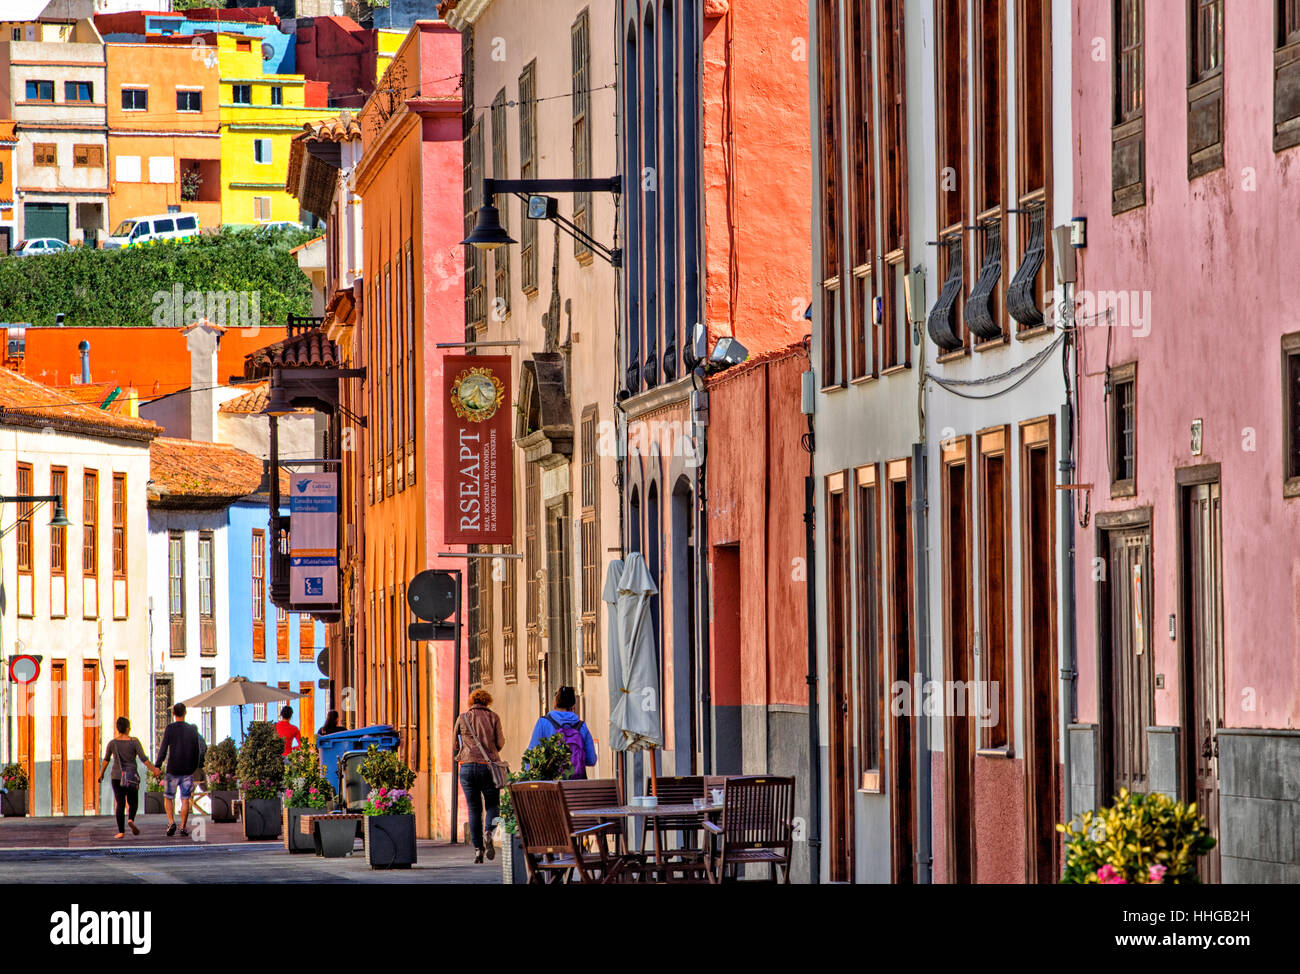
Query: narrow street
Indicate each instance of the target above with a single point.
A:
(83, 850)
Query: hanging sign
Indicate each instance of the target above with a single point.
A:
(478, 450)
(313, 539)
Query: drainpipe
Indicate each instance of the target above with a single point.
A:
(814, 826)
(1069, 670)
(702, 578)
(920, 571)
(83, 347)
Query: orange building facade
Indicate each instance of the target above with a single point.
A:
(164, 145)
(409, 179)
(8, 143)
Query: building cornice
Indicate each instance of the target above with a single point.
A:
(673, 394)
(463, 13)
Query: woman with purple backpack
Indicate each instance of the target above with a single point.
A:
(563, 721)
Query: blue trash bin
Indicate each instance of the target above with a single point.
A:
(333, 746)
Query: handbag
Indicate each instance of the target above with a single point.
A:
(500, 770)
(130, 772)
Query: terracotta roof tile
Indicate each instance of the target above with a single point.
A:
(253, 401)
(192, 471)
(311, 349)
(25, 402)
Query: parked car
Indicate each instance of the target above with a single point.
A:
(143, 229)
(39, 245)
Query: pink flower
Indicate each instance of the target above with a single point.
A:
(1156, 873)
(383, 791)
(1107, 875)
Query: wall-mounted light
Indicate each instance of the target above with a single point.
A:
(728, 352)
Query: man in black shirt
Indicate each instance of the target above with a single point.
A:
(182, 749)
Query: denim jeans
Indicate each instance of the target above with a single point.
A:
(479, 790)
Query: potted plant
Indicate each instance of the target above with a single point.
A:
(153, 795)
(306, 791)
(222, 768)
(261, 771)
(390, 814)
(13, 801)
(548, 761)
(1139, 839)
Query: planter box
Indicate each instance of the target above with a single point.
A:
(294, 840)
(223, 806)
(153, 803)
(513, 867)
(261, 818)
(390, 841)
(14, 803)
(334, 839)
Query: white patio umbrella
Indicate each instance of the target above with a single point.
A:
(635, 718)
(238, 691)
(614, 664)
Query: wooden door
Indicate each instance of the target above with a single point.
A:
(59, 737)
(26, 709)
(958, 664)
(1203, 654)
(91, 737)
(307, 710)
(1040, 670)
(1127, 697)
(838, 700)
(902, 667)
(121, 692)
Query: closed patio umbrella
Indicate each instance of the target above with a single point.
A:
(614, 664)
(635, 718)
(238, 691)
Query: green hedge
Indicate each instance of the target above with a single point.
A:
(118, 287)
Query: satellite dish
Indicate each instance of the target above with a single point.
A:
(431, 595)
(268, 51)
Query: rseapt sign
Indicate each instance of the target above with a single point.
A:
(478, 451)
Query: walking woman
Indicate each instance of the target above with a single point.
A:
(122, 750)
(479, 740)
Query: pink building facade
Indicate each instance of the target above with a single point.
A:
(1188, 521)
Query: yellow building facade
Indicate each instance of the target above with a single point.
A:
(260, 113)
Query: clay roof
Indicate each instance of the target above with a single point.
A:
(311, 349)
(191, 472)
(343, 127)
(253, 401)
(24, 402)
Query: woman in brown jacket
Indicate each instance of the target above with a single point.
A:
(479, 740)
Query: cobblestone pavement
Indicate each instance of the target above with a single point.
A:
(83, 850)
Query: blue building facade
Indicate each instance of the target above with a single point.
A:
(266, 645)
(278, 52)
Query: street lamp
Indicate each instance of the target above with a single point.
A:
(59, 520)
(488, 234)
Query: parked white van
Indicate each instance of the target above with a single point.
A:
(142, 229)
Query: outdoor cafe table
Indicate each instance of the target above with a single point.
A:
(646, 814)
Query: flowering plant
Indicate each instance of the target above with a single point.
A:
(305, 784)
(389, 801)
(258, 788)
(15, 777)
(1139, 839)
(221, 766)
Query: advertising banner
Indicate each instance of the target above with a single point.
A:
(313, 539)
(478, 450)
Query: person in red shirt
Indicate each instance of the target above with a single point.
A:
(287, 730)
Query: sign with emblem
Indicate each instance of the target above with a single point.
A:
(478, 452)
(313, 539)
